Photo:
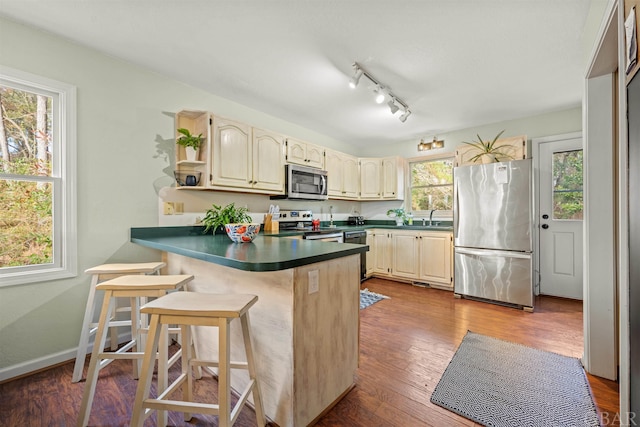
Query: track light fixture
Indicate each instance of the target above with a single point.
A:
(381, 92)
(353, 82)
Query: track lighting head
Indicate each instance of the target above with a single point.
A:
(392, 106)
(405, 114)
(353, 82)
(379, 95)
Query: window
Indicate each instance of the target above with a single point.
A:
(37, 179)
(567, 185)
(431, 185)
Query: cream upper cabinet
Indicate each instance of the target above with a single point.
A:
(342, 174)
(436, 253)
(513, 148)
(246, 158)
(304, 153)
(268, 160)
(370, 178)
(393, 178)
(406, 249)
(198, 123)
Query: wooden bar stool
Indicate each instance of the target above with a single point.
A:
(133, 287)
(198, 309)
(99, 274)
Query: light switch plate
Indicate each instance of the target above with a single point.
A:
(314, 281)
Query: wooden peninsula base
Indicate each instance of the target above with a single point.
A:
(304, 328)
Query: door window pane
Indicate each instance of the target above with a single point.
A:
(567, 185)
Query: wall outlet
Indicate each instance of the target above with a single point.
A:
(168, 208)
(314, 281)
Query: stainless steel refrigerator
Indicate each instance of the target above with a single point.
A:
(492, 226)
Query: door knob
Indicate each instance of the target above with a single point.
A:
(545, 226)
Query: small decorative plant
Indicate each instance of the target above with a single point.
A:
(218, 217)
(188, 140)
(488, 150)
(399, 214)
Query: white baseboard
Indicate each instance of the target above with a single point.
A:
(49, 360)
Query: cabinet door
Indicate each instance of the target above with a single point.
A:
(435, 258)
(232, 154)
(351, 177)
(370, 253)
(315, 156)
(334, 163)
(406, 248)
(382, 255)
(296, 152)
(268, 161)
(392, 178)
(370, 178)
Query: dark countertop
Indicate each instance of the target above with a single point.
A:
(265, 253)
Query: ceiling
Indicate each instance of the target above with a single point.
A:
(456, 64)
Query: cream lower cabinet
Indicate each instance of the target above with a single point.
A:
(247, 158)
(436, 255)
(416, 256)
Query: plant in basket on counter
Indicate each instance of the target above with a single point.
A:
(235, 221)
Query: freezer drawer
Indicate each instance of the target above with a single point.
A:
(495, 275)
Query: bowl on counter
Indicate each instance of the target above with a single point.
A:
(187, 178)
(241, 232)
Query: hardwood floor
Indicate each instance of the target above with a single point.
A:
(406, 343)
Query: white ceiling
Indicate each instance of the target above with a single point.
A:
(456, 64)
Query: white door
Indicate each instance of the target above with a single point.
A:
(560, 218)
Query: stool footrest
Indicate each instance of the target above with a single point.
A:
(214, 364)
(182, 406)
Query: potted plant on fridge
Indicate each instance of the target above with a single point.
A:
(191, 143)
(235, 221)
(488, 152)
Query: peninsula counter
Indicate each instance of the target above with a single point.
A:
(304, 325)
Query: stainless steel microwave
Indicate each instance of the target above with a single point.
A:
(305, 183)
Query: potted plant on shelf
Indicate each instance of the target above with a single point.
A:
(235, 221)
(399, 214)
(488, 151)
(191, 143)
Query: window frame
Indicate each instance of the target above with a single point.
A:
(62, 178)
(440, 214)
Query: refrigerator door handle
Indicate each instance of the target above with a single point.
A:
(455, 208)
(489, 252)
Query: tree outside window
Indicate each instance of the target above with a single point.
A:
(431, 185)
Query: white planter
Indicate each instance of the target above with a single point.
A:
(191, 154)
(399, 222)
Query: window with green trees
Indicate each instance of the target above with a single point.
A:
(567, 185)
(37, 211)
(431, 185)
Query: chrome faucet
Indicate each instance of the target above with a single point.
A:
(431, 217)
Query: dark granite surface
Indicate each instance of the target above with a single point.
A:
(265, 253)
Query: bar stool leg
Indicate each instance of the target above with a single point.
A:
(138, 416)
(224, 372)
(93, 372)
(136, 335)
(248, 346)
(81, 353)
(163, 374)
(188, 353)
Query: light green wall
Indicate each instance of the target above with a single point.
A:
(125, 152)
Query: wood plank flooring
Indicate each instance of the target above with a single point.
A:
(406, 343)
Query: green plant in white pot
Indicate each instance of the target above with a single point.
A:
(399, 214)
(191, 143)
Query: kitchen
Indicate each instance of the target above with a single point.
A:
(111, 171)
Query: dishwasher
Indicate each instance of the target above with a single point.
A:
(359, 237)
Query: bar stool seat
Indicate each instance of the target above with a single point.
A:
(134, 287)
(99, 274)
(200, 309)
